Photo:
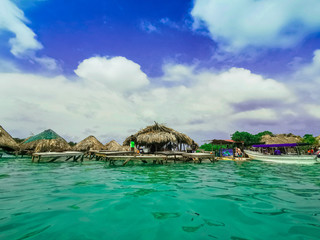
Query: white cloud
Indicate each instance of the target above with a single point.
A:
(24, 44)
(237, 24)
(259, 114)
(12, 19)
(305, 82)
(313, 110)
(177, 72)
(113, 96)
(311, 71)
(7, 66)
(169, 23)
(148, 27)
(48, 63)
(115, 73)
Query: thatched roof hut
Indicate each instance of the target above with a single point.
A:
(89, 143)
(281, 138)
(113, 146)
(159, 136)
(6, 141)
(47, 141)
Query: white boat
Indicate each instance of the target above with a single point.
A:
(285, 158)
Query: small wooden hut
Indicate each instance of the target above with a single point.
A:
(89, 143)
(113, 146)
(47, 141)
(158, 137)
(281, 139)
(7, 143)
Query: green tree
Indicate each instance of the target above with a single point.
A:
(309, 138)
(72, 143)
(245, 137)
(211, 147)
(260, 134)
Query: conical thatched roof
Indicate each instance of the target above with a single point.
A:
(281, 138)
(158, 134)
(47, 141)
(113, 146)
(6, 141)
(89, 143)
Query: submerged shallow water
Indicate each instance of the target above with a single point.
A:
(223, 200)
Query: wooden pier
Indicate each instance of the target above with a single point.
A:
(57, 156)
(124, 157)
(157, 158)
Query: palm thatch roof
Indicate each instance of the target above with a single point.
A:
(89, 143)
(47, 141)
(158, 134)
(113, 146)
(6, 141)
(281, 138)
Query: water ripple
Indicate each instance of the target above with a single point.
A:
(224, 200)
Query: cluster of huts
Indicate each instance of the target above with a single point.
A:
(156, 138)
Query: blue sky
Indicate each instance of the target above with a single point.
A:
(204, 67)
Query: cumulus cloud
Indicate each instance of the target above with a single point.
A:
(113, 98)
(238, 24)
(177, 72)
(115, 73)
(12, 19)
(311, 71)
(305, 82)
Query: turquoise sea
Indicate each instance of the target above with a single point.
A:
(223, 200)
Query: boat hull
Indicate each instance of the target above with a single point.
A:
(291, 159)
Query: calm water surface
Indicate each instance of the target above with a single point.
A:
(224, 200)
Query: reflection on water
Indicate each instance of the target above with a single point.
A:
(224, 200)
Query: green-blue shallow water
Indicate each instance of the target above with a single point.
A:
(224, 200)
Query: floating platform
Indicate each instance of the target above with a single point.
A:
(57, 156)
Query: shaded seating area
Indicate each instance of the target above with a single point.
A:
(89, 143)
(226, 147)
(7, 143)
(46, 141)
(159, 137)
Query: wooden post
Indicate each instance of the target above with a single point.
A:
(129, 159)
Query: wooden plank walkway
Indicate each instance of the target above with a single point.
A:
(159, 158)
(57, 156)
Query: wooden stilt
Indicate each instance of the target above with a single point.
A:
(76, 158)
(126, 161)
(53, 159)
(68, 158)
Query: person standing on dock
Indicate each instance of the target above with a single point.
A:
(132, 145)
(193, 147)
